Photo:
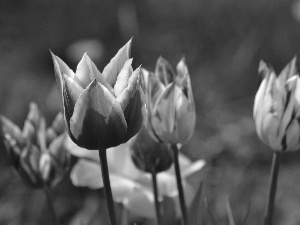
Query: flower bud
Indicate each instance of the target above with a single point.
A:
(276, 108)
(149, 155)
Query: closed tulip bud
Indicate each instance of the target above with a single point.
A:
(276, 108)
(149, 155)
(101, 110)
(170, 103)
(37, 155)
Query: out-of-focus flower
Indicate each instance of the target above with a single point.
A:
(37, 153)
(148, 155)
(276, 109)
(170, 103)
(130, 186)
(101, 110)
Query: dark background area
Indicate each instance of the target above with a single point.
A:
(222, 41)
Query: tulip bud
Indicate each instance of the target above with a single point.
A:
(101, 110)
(149, 155)
(37, 156)
(276, 109)
(170, 103)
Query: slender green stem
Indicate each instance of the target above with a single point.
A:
(124, 219)
(107, 188)
(155, 190)
(50, 206)
(179, 185)
(272, 188)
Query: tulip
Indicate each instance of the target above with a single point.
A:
(101, 110)
(276, 113)
(276, 110)
(37, 154)
(170, 103)
(131, 186)
(149, 155)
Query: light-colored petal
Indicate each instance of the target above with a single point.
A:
(288, 71)
(164, 114)
(98, 121)
(193, 168)
(164, 71)
(87, 72)
(57, 127)
(120, 162)
(79, 152)
(141, 203)
(11, 129)
(132, 102)
(292, 136)
(113, 68)
(181, 68)
(123, 77)
(61, 67)
(86, 174)
(122, 187)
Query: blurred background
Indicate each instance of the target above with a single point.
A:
(222, 41)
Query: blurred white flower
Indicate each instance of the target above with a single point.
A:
(130, 186)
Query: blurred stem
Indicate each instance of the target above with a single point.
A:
(155, 190)
(50, 206)
(179, 185)
(124, 219)
(272, 188)
(107, 188)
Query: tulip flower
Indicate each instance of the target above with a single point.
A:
(276, 111)
(131, 186)
(37, 153)
(170, 103)
(149, 155)
(101, 110)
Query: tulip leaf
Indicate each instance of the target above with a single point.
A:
(195, 207)
(229, 212)
(113, 68)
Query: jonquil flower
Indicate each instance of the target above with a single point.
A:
(36, 153)
(276, 108)
(130, 186)
(170, 103)
(101, 110)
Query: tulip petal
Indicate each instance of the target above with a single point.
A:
(57, 127)
(132, 102)
(113, 68)
(164, 114)
(292, 136)
(289, 70)
(32, 123)
(121, 187)
(57, 150)
(86, 174)
(120, 162)
(9, 128)
(181, 68)
(185, 117)
(141, 203)
(98, 121)
(193, 168)
(164, 71)
(87, 72)
(61, 67)
(123, 77)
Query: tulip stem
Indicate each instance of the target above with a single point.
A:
(50, 206)
(272, 188)
(107, 188)
(155, 190)
(179, 185)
